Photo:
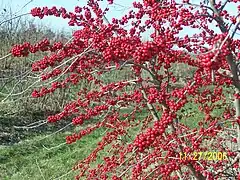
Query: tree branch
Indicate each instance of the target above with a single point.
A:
(224, 4)
(150, 106)
(6, 56)
(13, 18)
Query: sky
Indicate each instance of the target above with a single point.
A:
(120, 8)
(57, 23)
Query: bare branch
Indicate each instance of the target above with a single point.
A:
(54, 147)
(56, 132)
(236, 159)
(197, 5)
(13, 18)
(150, 107)
(235, 29)
(224, 4)
(17, 94)
(76, 57)
(24, 6)
(5, 56)
(30, 127)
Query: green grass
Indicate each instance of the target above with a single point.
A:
(30, 160)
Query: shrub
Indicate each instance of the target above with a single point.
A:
(159, 145)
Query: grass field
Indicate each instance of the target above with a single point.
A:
(34, 159)
(47, 157)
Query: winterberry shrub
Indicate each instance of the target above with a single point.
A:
(100, 46)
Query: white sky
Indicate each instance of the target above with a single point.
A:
(116, 10)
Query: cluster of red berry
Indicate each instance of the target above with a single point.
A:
(97, 46)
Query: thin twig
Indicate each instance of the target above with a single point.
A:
(63, 175)
(128, 157)
(55, 132)
(14, 88)
(54, 147)
(24, 6)
(30, 127)
(17, 94)
(236, 159)
(40, 170)
(132, 166)
(224, 4)
(77, 56)
(6, 56)
(13, 18)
